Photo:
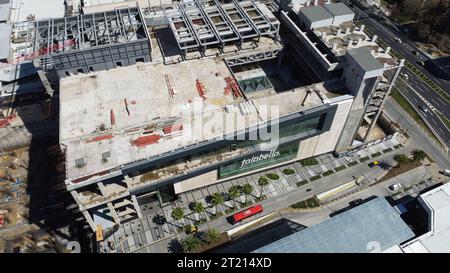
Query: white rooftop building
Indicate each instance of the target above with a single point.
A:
(437, 240)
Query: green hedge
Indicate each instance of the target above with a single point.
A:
(353, 163)
(340, 168)
(375, 154)
(301, 183)
(365, 158)
(314, 178)
(273, 176)
(327, 173)
(308, 203)
(288, 171)
(309, 162)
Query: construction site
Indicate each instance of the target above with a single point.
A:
(150, 100)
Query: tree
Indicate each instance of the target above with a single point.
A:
(190, 243)
(198, 207)
(401, 159)
(247, 189)
(418, 155)
(262, 181)
(212, 236)
(233, 193)
(217, 200)
(177, 213)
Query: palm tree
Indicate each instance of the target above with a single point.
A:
(217, 200)
(247, 189)
(233, 193)
(418, 155)
(177, 213)
(401, 159)
(190, 243)
(212, 236)
(198, 207)
(262, 181)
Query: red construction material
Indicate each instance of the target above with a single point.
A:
(233, 85)
(100, 138)
(41, 52)
(237, 217)
(173, 128)
(201, 89)
(146, 140)
(2, 220)
(112, 117)
(5, 122)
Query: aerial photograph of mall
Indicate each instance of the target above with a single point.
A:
(224, 126)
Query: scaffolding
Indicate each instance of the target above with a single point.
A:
(86, 42)
(199, 24)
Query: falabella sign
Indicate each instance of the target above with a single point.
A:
(263, 156)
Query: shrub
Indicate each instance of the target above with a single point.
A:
(327, 173)
(340, 168)
(375, 154)
(353, 163)
(273, 176)
(314, 178)
(301, 183)
(288, 171)
(309, 162)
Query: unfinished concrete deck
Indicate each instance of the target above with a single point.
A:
(102, 113)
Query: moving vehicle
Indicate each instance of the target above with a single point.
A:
(374, 163)
(398, 39)
(423, 108)
(239, 216)
(404, 75)
(395, 186)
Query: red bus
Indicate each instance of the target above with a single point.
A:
(237, 217)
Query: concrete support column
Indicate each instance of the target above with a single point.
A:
(386, 96)
(113, 213)
(90, 221)
(136, 206)
(77, 199)
(101, 186)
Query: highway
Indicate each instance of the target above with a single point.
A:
(415, 90)
(424, 109)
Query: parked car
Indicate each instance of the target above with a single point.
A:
(395, 187)
(355, 202)
(446, 172)
(398, 40)
(374, 163)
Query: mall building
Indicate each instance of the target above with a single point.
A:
(210, 91)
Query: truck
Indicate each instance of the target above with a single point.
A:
(446, 172)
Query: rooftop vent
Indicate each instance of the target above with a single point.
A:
(79, 163)
(106, 156)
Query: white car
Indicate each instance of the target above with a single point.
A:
(395, 187)
(398, 40)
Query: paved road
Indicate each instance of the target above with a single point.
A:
(396, 113)
(409, 91)
(381, 190)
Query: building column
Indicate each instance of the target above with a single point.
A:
(77, 199)
(113, 212)
(136, 206)
(90, 221)
(388, 92)
(102, 188)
